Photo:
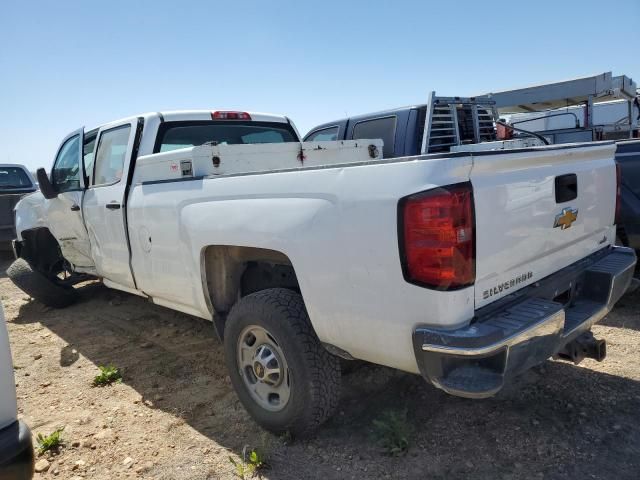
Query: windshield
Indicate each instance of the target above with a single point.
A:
(14, 177)
(174, 135)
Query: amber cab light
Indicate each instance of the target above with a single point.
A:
(437, 244)
(220, 115)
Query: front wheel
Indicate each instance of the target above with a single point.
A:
(284, 377)
(39, 286)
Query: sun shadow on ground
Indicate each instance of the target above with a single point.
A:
(556, 421)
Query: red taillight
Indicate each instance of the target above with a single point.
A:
(230, 116)
(618, 194)
(438, 237)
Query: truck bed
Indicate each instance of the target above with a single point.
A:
(337, 223)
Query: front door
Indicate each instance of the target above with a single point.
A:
(104, 203)
(64, 213)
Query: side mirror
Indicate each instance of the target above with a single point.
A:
(46, 187)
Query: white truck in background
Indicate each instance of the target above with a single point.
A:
(466, 268)
(16, 450)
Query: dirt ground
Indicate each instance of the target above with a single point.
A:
(175, 415)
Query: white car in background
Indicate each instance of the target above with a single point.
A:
(16, 449)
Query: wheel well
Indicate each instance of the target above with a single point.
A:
(40, 248)
(231, 273)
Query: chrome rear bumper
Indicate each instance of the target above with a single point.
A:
(525, 328)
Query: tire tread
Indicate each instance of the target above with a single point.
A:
(36, 285)
(324, 368)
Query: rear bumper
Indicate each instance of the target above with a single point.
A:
(524, 329)
(16, 452)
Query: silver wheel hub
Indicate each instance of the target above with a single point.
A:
(263, 368)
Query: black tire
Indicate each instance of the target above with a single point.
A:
(314, 374)
(38, 286)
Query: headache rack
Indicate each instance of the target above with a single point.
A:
(454, 121)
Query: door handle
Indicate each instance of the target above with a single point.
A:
(75, 208)
(113, 206)
(566, 187)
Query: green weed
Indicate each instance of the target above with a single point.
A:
(107, 376)
(53, 441)
(252, 462)
(392, 430)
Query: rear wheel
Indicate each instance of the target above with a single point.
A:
(282, 374)
(47, 289)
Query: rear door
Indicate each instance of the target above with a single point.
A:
(538, 211)
(104, 204)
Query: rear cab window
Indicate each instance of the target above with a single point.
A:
(14, 178)
(184, 134)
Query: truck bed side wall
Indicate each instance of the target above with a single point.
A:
(338, 227)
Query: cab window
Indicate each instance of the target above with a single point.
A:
(175, 135)
(110, 155)
(66, 169)
(384, 128)
(13, 177)
(329, 134)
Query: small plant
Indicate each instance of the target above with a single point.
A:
(53, 441)
(107, 376)
(393, 431)
(253, 461)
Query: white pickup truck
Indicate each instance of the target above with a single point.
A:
(467, 268)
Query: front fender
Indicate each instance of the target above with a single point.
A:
(30, 213)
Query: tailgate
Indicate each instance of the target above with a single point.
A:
(538, 211)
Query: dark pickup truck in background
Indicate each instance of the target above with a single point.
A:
(628, 160)
(403, 129)
(15, 182)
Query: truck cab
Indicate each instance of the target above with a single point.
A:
(401, 129)
(92, 173)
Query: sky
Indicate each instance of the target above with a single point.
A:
(66, 64)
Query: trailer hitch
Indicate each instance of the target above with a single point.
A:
(584, 346)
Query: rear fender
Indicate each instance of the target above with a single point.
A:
(278, 231)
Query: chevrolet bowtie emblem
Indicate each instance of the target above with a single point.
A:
(565, 218)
